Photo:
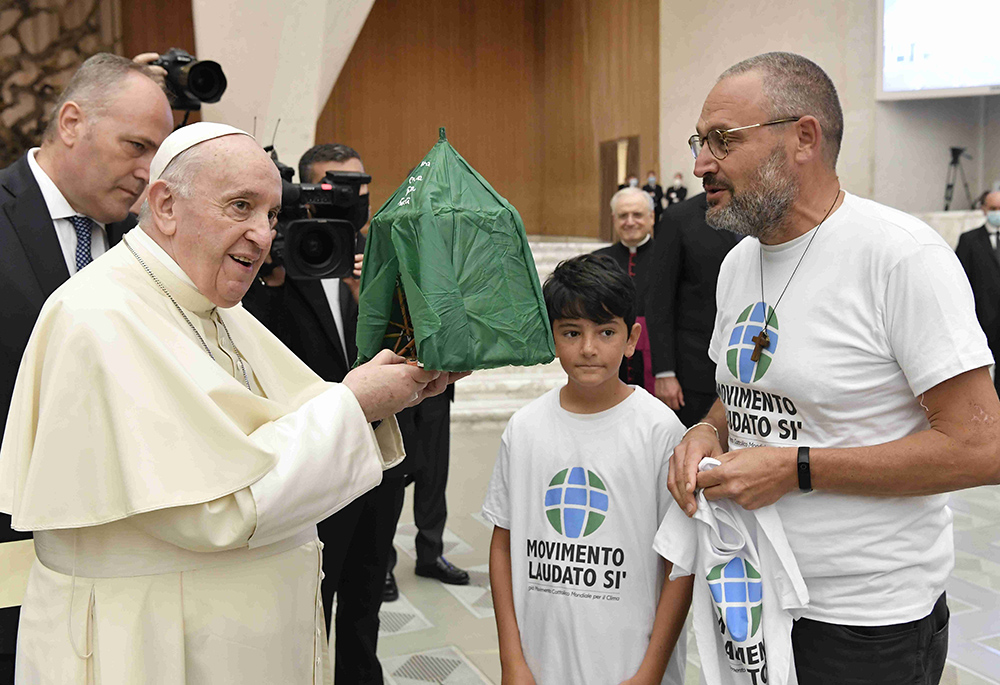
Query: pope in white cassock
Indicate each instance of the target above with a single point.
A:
(173, 457)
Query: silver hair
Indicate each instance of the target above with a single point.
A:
(762, 209)
(93, 86)
(795, 87)
(630, 191)
(179, 176)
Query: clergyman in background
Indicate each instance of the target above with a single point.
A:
(632, 216)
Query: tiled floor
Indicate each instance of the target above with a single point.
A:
(444, 634)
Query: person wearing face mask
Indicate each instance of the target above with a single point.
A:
(979, 252)
(655, 191)
(631, 181)
(677, 191)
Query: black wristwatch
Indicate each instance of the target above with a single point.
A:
(805, 478)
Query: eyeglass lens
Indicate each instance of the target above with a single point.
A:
(716, 144)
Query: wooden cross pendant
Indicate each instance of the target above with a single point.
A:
(761, 342)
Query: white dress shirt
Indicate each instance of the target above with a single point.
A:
(331, 287)
(60, 211)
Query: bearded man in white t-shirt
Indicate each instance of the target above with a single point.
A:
(852, 374)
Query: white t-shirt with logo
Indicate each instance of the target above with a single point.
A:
(582, 496)
(879, 312)
(747, 589)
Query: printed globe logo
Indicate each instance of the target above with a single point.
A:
(576, 502)
(736, 590)
(739, 354)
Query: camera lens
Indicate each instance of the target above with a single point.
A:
(316, 248)
(206, 81)
(319, 248)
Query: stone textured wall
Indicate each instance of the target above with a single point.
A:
(42, 42)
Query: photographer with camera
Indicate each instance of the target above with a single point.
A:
(186, 80)
(316, 317)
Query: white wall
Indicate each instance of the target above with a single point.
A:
(912, 151)
(285, 58)
(896, 153)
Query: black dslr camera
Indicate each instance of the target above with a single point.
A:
(190, 81)
(320, 243)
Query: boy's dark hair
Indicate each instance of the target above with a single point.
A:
(592, 287)
(327, 152)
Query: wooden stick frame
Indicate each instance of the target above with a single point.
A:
(406, 343)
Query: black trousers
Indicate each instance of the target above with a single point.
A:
(9, 617)
(356, 542)
(903, 654)
(426, 430)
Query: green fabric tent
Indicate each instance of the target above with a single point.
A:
(448, 274)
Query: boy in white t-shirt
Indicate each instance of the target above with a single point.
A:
(576, 496)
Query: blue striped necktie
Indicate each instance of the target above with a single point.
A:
(84, 227)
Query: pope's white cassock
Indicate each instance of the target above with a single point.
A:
(173, 508)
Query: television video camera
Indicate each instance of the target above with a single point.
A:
(320, 243)
(191, 81)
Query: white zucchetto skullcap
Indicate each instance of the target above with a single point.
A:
(187, 137)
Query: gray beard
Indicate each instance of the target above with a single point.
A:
(762, 209)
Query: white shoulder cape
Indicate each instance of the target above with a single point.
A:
(118, 410)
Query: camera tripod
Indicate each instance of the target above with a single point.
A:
(955, 170)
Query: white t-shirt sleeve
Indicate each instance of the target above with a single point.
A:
(930, 319)
(496, 508)
(677, 541)
(722, 294)
(667, 435)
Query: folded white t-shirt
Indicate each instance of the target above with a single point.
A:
(747, 588)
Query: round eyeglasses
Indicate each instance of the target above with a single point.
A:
(718, 139)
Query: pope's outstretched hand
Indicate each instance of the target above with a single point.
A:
(387, 384)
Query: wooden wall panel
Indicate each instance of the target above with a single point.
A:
(601, 82)
(526, 88)
(157, 26)
(421, 64)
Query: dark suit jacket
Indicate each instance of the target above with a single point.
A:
(299, 314)
(983, 269)
(675, 195)
(642, 262)
(31, 267)
(657, 192)
(680, 307)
